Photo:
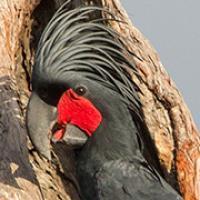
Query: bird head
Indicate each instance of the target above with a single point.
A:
(80, 72)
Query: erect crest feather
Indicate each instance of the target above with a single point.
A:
(75, 40)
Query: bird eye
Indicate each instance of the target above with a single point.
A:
(81, 90)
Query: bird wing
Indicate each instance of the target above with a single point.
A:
(132, 180)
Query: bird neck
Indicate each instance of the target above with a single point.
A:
(116, 138)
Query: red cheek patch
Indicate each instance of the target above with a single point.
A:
(79, 111)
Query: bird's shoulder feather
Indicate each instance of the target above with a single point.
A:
(135, 179)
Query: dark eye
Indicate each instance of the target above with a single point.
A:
(81, 90)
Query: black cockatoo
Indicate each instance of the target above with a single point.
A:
(83, 95)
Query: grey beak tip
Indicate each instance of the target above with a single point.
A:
(47, 155)
(44, 152)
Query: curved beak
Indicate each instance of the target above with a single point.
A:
(73, 137)
(40, 117)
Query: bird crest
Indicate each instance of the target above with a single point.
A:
(78, 40)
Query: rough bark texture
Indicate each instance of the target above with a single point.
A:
(17, 179)
(168, 118)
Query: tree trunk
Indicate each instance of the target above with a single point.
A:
(23, 174)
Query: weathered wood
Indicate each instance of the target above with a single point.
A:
(17, 179)
(167, 116)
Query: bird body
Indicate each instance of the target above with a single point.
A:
(111, 164)
(80, 79)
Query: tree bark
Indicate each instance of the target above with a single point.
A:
(23, 174)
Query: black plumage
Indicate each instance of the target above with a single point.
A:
(72, 42)
(78, 48)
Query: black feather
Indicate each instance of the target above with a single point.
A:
(75, 41)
